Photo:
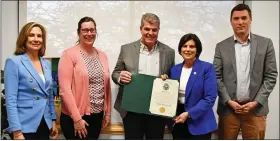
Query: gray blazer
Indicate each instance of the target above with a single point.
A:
(263, 73)
(129, 60)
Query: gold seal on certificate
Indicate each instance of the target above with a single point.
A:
(161, 109)
(164, 97)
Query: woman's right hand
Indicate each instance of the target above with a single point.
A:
(80, 127)
(18, 135)
(164, 76)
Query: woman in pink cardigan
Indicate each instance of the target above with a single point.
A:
(85, 90)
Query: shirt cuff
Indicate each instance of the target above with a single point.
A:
(119, 81)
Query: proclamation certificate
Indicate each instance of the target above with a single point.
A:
(164, 97)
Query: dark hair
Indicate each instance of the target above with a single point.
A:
(241, 7)
(23, 37)
(82, 20)
(187, 38)
(85, 19)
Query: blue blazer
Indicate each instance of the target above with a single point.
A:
(200, 96)
(28, 98)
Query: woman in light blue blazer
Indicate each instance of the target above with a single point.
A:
(28, 87)
(197, 93)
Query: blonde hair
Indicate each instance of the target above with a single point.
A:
(23, 37)
(151, 18)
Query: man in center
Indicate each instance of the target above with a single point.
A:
(144, 56)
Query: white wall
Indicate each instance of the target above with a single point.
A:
(265, 22)
(9, 30)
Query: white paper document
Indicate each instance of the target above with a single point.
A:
(164, 97)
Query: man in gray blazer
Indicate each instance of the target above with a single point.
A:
(246, 72)
(146, 56)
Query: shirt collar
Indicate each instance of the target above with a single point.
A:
(144, 47)
(249, 38)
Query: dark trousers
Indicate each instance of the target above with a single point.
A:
(181, 131)
(137, 126)
(94, 128)
(42, 132)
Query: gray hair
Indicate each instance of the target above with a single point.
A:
(151, 18)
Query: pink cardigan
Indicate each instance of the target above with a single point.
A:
(74, 84)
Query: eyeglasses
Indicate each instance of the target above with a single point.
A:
(190, 46)
(86, 30)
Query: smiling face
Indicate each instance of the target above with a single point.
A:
(241, 22)
(34, 40)
(149, 33)
(188, 50)
(87, 33)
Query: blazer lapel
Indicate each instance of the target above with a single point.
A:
(46, 72)
(178, 72)
(136, 52)
(193, 76)
(31, 69)
(162, 56)
(254, 44)
(231, 48)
